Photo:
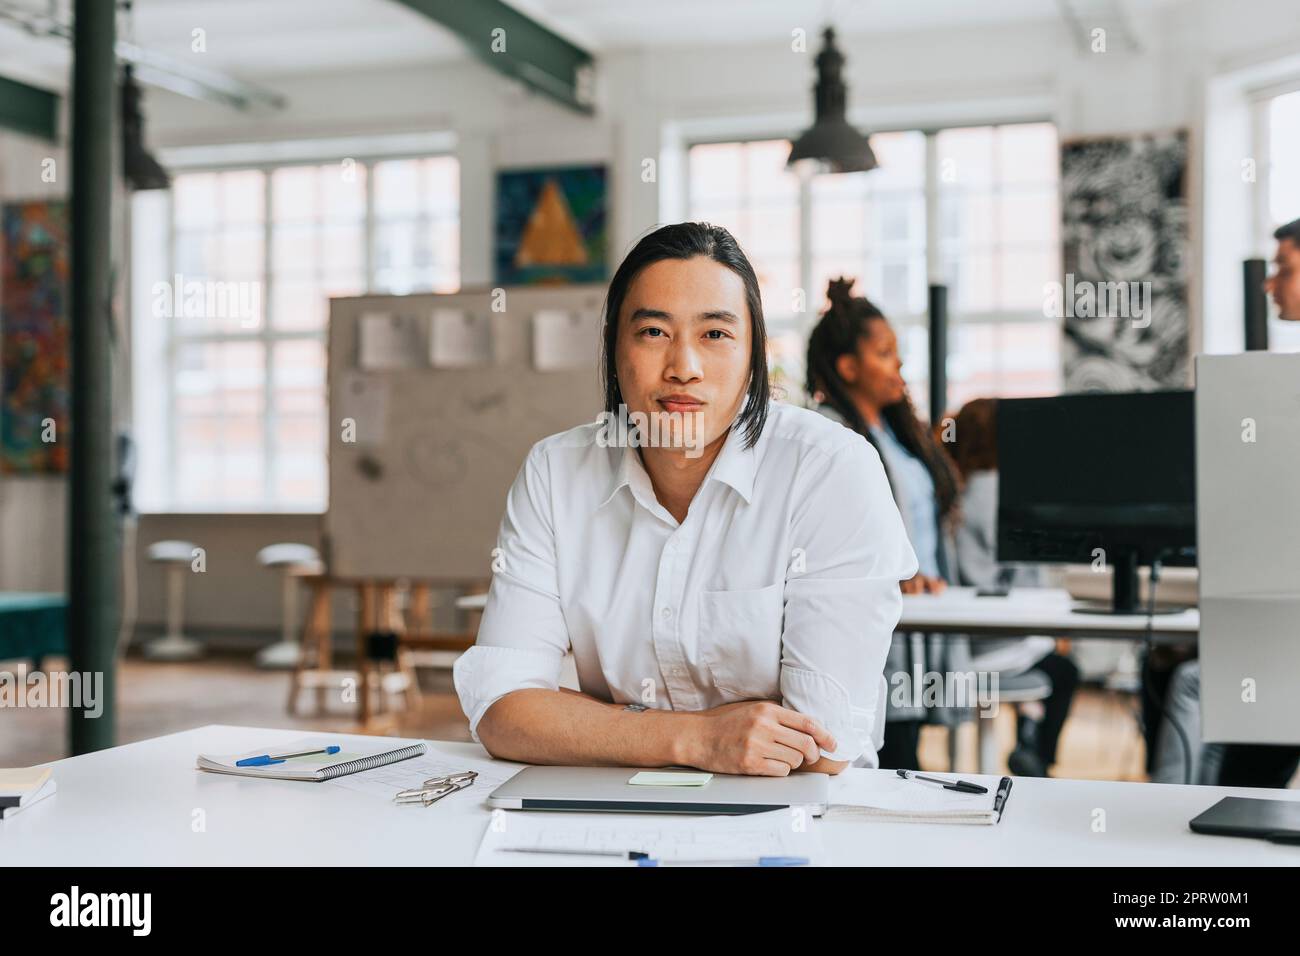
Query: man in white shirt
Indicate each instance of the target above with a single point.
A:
(728, 584)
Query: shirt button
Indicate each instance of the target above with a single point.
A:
(666, 613)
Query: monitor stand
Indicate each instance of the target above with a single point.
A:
(1125, 592)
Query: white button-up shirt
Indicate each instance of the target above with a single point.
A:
(781, 583)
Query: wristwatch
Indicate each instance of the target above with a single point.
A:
(637, 707)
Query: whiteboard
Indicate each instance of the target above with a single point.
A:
(417, 486)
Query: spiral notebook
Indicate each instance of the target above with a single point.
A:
(314, 767)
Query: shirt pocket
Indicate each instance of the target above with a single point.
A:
(740, 641)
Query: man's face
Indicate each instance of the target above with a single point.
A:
(684, 344)
(1284, 284)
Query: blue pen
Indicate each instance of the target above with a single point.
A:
(265, 760)
(751, 861)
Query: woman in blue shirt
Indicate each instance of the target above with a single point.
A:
(854, 374)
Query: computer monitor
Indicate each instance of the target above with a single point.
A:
(1115, 472)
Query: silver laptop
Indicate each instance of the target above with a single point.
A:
(606, 789)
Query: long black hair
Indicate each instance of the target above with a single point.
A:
(686, 240)
(846, 322)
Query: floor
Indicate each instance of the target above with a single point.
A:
(1100, 741)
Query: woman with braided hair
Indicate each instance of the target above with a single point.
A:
(855, 377)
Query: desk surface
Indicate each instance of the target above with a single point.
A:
(1027, 611)
(1024, 611)
(134, 805)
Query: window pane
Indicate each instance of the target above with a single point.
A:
(293, 194)
(715, 171)
(871, 227)
(222, 399)
(299, 377)
(243, 197)
(416, 229)
(218, 253)
(999, 214)
(397, 187)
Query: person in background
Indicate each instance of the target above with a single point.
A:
(1038, 728)
(1284, 284)
(854, 375)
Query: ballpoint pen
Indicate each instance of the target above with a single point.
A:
(268, 759)
(960, 786)
(578, 851)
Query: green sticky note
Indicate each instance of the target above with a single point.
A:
(670, 778)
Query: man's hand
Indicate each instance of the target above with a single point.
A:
(923, 584)
(758, 737)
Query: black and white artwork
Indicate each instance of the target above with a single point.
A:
(1125, 244)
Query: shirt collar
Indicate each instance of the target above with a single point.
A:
(736, 465)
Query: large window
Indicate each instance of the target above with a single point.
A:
(991, 190)
(232, 417)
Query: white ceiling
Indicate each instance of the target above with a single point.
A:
(258, 40)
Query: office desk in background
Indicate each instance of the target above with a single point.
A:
(1023, 612)
(136, 805)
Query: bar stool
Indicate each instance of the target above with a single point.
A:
(174, 645)
(293, 561)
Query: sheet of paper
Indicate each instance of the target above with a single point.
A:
(669, 778)
(563, 341)
(364, 399)
(790, 832)
(390, 340)
(460, 339)
(858, 787)
(405, 774)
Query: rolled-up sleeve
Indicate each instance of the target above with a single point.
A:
(522, 638)
(842, 600)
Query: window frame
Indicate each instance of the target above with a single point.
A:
(264, 334)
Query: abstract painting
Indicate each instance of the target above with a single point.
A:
(34, 343)
(551, 226)
(1124, 220)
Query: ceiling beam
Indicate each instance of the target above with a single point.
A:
(538, 57)
(156, 69)
(26, 109)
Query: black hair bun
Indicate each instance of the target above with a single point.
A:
(840, 291)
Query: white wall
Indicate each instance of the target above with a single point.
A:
(648, 101)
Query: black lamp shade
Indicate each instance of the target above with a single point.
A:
(139, 168)
(831, 141)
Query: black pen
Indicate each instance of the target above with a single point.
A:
(960, 786)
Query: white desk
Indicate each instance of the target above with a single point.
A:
(133, 805)
(1023, 612)
(1034, 611)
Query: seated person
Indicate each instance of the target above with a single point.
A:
(1039, 726)
(727, 581)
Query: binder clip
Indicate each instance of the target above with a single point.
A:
(435, 788)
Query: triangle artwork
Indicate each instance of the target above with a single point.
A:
(551, 237)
